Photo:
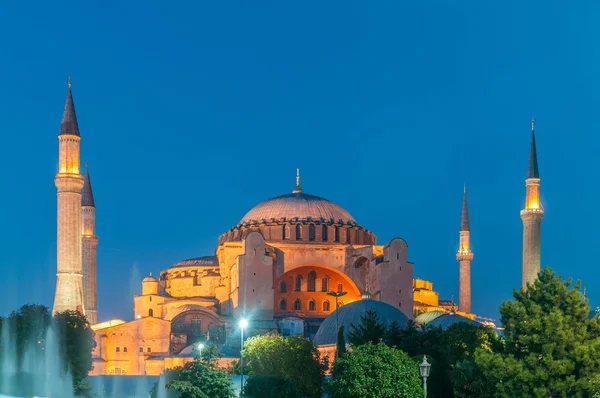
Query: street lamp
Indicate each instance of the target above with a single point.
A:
(337, 316)
(243, 325)
(200, 347)
(425, 367)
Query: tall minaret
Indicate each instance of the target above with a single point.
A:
(464, 257)
(532, 216)
(69, 283)
(89, 242)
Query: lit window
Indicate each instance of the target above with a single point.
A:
(326, 306)
(283, 305)
(311, 283)
(117, 372)
(297, 305)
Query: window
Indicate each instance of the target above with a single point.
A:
(298, 283)
(196, 325)
(348, 236)
(340, 288)
(117, 372)
(324, 233)
(118, 349)
(282, 287)
(124, 349)
(284, 232)
(283, 305)
(141, 349)
(312, 278)
(297, 305)
(326, 306)
(298, 232)
(311, 232)
(149, 349)
(337, 234)
(150, 312)
(325, 284)
(150, 298)
(312, 306)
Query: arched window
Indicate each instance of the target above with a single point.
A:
(298, 283)
(348, 236)
(285, 231)
(311, 232)
(324, 233)
(311, 283)
(283, 305)
(326, 306)
(298, 232)
(337, 234)
(325, 284)
(282, 287)
(150, 312)
(312, 306)
(297, 305)
(340, 288)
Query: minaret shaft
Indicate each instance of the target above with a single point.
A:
(89, 242)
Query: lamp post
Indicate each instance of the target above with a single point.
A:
(200, 348)
(337, 316)
(425, 367)
(243, 325)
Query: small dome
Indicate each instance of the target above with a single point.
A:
(427, 317)
(205, 261)
(298, 205)
(150, 278)
(350, 314)
(447, 320)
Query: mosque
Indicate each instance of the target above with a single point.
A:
(288, 264)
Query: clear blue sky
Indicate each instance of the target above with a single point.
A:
(192, 112)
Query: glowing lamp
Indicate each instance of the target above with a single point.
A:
(243, 323)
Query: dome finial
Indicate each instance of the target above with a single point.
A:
(297, 189)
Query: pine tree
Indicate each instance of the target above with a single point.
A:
(368, 330)
(341, 342)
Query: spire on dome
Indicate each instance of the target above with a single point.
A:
(464, 221)
(297, 189)
(87, 196)
(533, 171)
(68, 124)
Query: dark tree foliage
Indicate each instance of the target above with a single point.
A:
(291, 363)
(201, 378)
(369, 330)
(375, 371)
(341, 342)
(552, 346)
(77, 342)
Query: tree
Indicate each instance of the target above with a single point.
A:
(341, 342)
(201, 378)
(551, 348)
(369, 330)
(375, 371)
(291, 363)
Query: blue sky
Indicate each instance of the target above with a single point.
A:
(193, 112)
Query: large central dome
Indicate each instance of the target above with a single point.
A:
(298, 205)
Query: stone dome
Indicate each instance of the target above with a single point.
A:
(298, 205)
(427, 317)
(446, 320)
(350, 314)
(149, 278)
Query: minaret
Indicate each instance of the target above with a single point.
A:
(68, 181)
(532, 217)
(464, 257)
(89, 242)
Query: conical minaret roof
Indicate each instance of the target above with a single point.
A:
(87, 196)
(533, 171)
(464, 221)
(69, 120)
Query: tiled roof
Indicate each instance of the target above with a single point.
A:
(198, 262)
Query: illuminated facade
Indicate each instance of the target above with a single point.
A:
(76, 239)
(532, 218)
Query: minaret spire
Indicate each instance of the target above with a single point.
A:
(532, 217)
(87, 196)
(69, 124)
(464, 258)
(297, 189)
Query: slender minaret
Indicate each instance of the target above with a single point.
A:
(89, 242)
(532, 218)
(69, 278)
(464, 257)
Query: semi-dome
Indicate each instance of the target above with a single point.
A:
(205, 261)
(298, 205)
(350, 314)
